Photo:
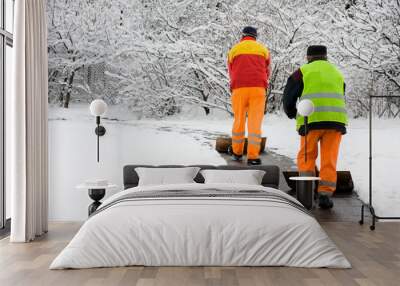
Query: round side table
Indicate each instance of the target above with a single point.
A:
(96, 193)
(304, 190)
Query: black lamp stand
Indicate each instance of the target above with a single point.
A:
(369, 204)
(305, 137)
(96, 195)
(100, 131)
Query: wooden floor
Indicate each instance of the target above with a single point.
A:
(375, 257)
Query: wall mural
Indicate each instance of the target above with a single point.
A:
(164, 62)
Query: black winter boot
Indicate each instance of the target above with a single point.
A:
(234, 157)
(325, 202)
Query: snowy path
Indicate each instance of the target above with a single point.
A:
(353, 156)
(208, 138)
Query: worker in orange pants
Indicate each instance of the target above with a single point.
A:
(249, 69)
(329, 141)
(322, 83)
(248, 101)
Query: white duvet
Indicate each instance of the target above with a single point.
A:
(219, 232)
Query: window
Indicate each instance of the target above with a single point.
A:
(9, 15)
(6, 66)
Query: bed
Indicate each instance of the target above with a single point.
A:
(201, 224)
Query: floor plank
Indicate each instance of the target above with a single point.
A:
(375, 257)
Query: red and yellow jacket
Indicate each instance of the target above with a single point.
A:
(249, 64)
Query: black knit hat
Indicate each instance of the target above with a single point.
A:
(316, 51)
(250, 31)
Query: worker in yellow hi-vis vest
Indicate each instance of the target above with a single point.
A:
(322, 83)
(249, 69)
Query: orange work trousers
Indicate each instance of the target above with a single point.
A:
(248, 101)
(329, 141)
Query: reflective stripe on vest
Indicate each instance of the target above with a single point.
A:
(322, 95)
(329, 109)
(324, 86)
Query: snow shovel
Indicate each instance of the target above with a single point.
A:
(344, 184)
(224, 143)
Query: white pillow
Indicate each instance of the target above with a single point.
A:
(166, 176)
(248, 177)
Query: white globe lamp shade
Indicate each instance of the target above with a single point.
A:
(98, 107)
(305, 107)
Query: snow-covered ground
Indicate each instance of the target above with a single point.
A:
(188, 139)
(72, 156)
(354, 153)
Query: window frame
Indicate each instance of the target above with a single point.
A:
(6, 39)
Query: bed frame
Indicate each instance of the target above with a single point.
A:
(270, 179)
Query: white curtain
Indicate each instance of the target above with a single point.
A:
(28, 120)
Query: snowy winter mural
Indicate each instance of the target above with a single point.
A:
(161, 67)
(155, 56)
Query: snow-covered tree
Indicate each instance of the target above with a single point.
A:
(157, 55)
(365, 38)
(80, 34)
